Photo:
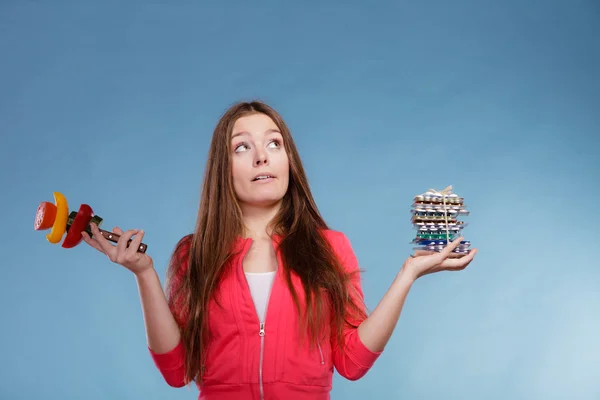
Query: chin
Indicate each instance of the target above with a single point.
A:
(268, 202)
(263, 201)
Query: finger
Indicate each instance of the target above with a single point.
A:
(459, 263)
(132, 250)
(451, 247)
(424, 253)
(92, 242)
(456, 242)
(117, 230)
(122, 244)
(105, 245)
(461, 259)
(456, 255)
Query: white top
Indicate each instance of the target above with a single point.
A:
(260, 287)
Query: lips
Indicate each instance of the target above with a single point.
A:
(261, 177)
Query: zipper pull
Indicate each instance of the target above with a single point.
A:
(262, 329)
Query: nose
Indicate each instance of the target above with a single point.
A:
(260, 161)
(261, 158)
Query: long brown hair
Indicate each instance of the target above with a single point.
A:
(304, 249)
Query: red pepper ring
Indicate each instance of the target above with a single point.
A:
(78, 225)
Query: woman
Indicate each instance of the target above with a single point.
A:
(263, 300)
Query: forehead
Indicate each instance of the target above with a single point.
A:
(255, 124)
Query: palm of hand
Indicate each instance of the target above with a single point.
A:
(123, 254)
(428, 262)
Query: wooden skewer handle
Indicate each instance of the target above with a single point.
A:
(113, 237)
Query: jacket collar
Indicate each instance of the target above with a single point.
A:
(242, 244)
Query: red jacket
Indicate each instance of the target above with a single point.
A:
(245, 360)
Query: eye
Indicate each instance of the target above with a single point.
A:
(241, 147)
(276, 143)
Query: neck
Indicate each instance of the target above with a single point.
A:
(257, 220)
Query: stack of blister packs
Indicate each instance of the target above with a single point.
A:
(435, 216)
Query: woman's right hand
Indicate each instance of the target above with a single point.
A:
(127, 256)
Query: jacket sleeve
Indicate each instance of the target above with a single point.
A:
(172, 363)
(356, 359)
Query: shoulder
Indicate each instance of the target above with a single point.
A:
(342, 247)
(338, 240)
(182, 248)
(180, 256)
(184, 244)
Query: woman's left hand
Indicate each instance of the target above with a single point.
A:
(429, 262)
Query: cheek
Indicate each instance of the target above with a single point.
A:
(281, 163)
(238, 173)
(285, 167)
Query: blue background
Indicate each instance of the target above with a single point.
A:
(114, 104)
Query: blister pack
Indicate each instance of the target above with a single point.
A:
(435, 216)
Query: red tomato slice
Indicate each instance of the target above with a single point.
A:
(81, 221)
(45, 216)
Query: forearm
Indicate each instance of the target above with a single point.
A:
(162, 331)
(377, 329)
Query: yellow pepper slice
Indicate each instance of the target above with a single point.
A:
(60, 222)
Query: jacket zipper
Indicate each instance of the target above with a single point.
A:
(261, 333)
(261, 328)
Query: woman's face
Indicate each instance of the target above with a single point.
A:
(260, 164)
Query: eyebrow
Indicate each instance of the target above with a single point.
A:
(268, 131)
